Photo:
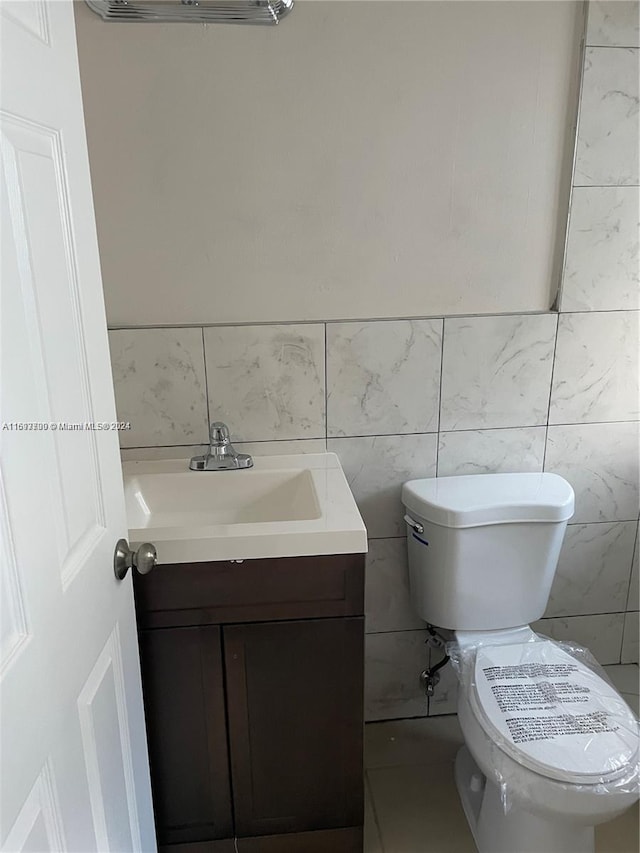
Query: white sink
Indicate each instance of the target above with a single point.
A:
(284, 506)
(179, 499)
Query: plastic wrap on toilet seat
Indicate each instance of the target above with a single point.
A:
(549, 707)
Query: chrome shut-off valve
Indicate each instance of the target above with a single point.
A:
(429, 681)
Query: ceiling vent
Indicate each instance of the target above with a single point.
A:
(264, 12)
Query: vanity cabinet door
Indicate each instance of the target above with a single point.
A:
(295, 706)
(186, 729)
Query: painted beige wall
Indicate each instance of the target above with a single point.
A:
(363, 159)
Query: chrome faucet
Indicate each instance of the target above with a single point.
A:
(222, 455)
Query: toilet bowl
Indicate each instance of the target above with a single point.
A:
(551, 748)
(515, 802)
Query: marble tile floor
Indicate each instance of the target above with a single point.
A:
(412, 805)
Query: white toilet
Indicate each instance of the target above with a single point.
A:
(551, 748)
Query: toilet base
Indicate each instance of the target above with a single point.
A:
(517, 831)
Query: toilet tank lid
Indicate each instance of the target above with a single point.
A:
(477, 499)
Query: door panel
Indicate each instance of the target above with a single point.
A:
(184, 701)
(75, 769)
(103, 721)
(13, 617)
(296, 747)
(39, 825)
(32, 17)
(38, 203)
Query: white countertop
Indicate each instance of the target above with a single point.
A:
(285, 506)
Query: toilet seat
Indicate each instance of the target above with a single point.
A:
(552, 714)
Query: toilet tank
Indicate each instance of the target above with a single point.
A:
(483, 549)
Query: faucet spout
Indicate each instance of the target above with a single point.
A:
(222, 455)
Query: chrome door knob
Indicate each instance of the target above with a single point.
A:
(144, 559)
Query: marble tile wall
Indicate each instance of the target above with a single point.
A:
(400, 399)
(613, 24)
(607, 150)
(537, 369)
(268, 381)
(383, 378)
(496, 371)
(159, 378)
(601, 270)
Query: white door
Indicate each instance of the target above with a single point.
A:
(74, 770)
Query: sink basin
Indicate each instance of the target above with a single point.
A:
(174, 499)
(292, 505)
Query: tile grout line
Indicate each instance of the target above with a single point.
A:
(624, 626)
(116, 327)
(440, 397)
(394, 435)
(605, 186)
(614, 46)
(636, 545)
(553, 370)
(326, 389)
(576, 119)
(206, 378)
(460, 431)
(374, 810)
(420, 630)
(386, 720)
(420, 717)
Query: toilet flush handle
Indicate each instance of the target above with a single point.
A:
(418, 528)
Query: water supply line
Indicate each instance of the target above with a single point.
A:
(430, 677)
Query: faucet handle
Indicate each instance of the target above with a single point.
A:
(219, 433)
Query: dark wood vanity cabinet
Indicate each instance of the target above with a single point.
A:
(183, 683)
(253, 687)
